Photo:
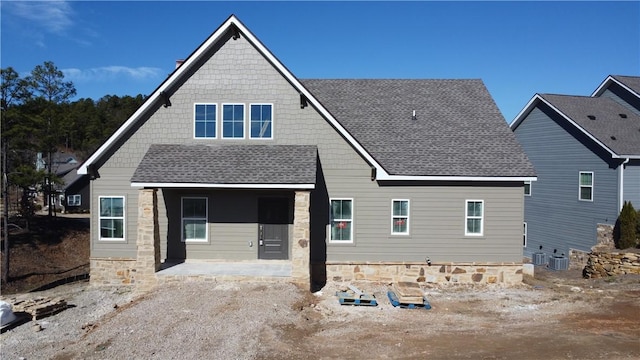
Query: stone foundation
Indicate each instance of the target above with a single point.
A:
(112, 271)
(611, 264)
(463, 273)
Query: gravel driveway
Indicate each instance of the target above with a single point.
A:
(247, 320)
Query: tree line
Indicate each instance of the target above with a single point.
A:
(38, 116)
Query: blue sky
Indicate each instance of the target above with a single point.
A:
(517, 48)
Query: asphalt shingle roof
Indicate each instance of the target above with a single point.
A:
(633, 82)
(621, 135)
(458, 130)
(228, 164)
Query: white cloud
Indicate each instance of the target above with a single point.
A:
(53, 16)
(107, 73)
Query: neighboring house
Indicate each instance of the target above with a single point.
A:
(586, 152)
(72, 194)
(234, 159)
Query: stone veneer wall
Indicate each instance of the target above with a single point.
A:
(604, 243)
(610, 264)
(300, 268)
(111, 271)
(508, 274)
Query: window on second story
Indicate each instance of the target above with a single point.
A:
(233, 121)
(527, 188)
(261, 121)
(205, 121)
(585, 191)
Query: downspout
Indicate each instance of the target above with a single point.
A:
(621, 184)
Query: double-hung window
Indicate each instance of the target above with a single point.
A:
(261, 121)
(524, 235)
(233, 121)
(474, 218)
(111, 217)
(74, 200)
(205, 121)
(194, 219)
(399, 217)
(341, 220)
(585, 191)
(527, 188)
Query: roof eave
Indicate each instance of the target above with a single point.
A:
(310, 186)
(605, 84)
(387, 177)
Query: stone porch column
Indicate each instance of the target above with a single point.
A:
(300, 254)
(148, 241)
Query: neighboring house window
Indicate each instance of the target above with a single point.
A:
(524, 235)
(474, 217)
(233, 121)
(527, 188)
(342, 220)
(111, 217)
(261, 121)
(74, 200)
(400, 217)
(205, 121)
(194, 219)
(586, 186)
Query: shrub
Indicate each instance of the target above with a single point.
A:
(624, 234)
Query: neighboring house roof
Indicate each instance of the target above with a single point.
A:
(261, 166)
(502, 149)
(630, 83)
(617, 134)
(457, 131)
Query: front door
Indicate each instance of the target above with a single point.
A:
(274, 217)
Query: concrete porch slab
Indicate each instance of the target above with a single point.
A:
(259, 270)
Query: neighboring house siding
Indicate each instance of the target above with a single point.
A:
(632, 183)
(555, 218)
(622, 97)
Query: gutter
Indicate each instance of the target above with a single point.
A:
(621, 184)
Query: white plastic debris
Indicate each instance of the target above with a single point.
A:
(6, 314)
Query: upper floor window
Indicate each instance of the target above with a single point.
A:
(111, 217)
(205, 120)
(342, 220)
(527, 188)
(74, 200)
(585, 191)
(474, 218)
(400, 217)
(261, 121)
(233, 121)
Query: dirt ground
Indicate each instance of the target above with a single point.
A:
(553, 315)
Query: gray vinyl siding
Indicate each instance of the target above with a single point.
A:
(237, 73)
(622, 97)
(632, 183)
(555, 218)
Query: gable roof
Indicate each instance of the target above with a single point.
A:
(259, 166)
(458, 130)
(475, 171)
(629, 83)
(620, 136)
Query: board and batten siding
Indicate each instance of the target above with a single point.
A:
(237, 73)
(555, 218)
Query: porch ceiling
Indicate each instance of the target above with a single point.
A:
(270, 166)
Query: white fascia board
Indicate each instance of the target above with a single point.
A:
(524, 112)
(195, 56)
(225, 186)
(605, 84)
(632, 157)
(455, 178)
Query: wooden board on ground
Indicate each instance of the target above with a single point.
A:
(408, 293)
(39, 307)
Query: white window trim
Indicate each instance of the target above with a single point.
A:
(394, 217)
(352, 221)
(592, 186)
(74, 203)
(467, 217)
(194, 121)
(272, 121)
(530, 187)
(524, 234)
(124, 218)
(206, 219)
(244, 122)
